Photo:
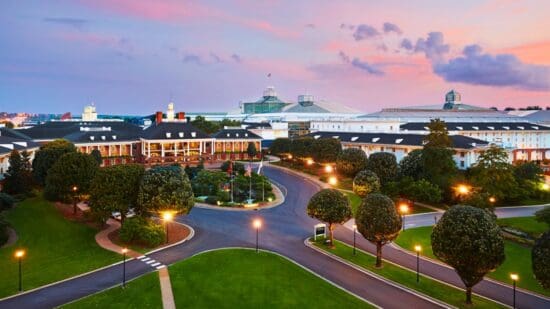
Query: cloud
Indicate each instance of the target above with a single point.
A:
(347, 26)
(192, 58)
(345, 58)
(236, 58)
(389, 27)
(356, 62)
(433, 46)
(77, 23)
(476, 68)
(215, 57)
(406, 44)
(365, 31)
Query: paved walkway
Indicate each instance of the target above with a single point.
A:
(102, 239)
(12, 238)
(166, 289)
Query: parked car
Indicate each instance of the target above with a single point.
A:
(116, 214)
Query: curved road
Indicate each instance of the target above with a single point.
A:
(284, 229)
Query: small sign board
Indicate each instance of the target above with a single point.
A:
(319, 230)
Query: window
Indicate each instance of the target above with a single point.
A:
(461, 163)
(462, 154)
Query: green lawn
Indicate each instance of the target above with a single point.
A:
(143, 292)
(526, 224)
(355, 201)
(237, 278)
(443, 292)
(518, 258)
(56, 248)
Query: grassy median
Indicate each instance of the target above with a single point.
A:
(56, 248)
(518, 257)
(432, 288)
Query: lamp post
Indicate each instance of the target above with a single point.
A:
(329, 169)
(332, 180)
(462, 190)
(514, 278)
(19, 254)
(75, 190)
(124, 251)
(403, 209)
(354, 232)
(257, 224)
(417, 248)
(167, 216)
(309, 162)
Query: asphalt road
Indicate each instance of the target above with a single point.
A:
(284, 229)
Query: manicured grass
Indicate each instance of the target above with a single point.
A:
(518, 258)
(354, 201)
(143, 292)
(443, 292)
(526, 224)
(55, 247)
(238, 278)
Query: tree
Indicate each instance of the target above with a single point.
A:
(384, 164)
(540, 258)
(116, 188)
(366, 182)
(438, 136)
(543, 215)
(378, 221)
(18, 177)
(351, 161)
(493, 174)
(8, 124)
(422, 191)
(528, 171)
(326, 150)
(97, 156)
(165, 188)
(251, 150)
(280, 146)
(301, 147)
(208, 182)
(330, 206)
(238, 167)
(72, 169)
(411, 165)
(46, 157)
(469, 240)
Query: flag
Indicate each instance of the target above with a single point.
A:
(249, 170)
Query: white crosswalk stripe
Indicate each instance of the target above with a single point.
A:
(156, 264)
(151, 262)
(161, 266)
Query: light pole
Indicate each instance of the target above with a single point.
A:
(354, 232)
(417, 248)
(403, 209)
(514, 278)
(332, 180)
(19, 254)
(124, 251)
(257, 224)
(167, 216)
(74, 189)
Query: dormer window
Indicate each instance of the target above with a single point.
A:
(336, 136)
(316, 136)
(460, 128)
(168, 135)
(475, 128)
(376, 139)
(353, 139)
(193, 134)
(246, 135)
(521, 128)
(506, 128)
(426, 128)
(535, 127)
(491, 128)
(92, 138)
(398, 141)
(180, 134)
(114, 137)
(228, 134)
(237, 134)
(102, 137)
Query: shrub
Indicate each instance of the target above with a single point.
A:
(212, 200)
(3, 231)
(6, 201)
(541, 260)
(543, 215)
(142, 231)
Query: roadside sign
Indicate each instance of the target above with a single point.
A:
(319, 230)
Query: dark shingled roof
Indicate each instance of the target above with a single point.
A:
(478, 126)
(15, 143)
(255, 125)
(176, 130)
(69, 129)
(235, 134)
(459, 141)
(13, 133)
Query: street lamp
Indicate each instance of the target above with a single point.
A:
(354, 232)
(257, 225)
(332, 180)
(124, 251)
(417, 248)
(19, 254)
(492, 200)
(309, 162)
(75, 190)
(290, 157)
(167, 216)
(329, 169)
(403, 209)
(514, 278)
(545, 186)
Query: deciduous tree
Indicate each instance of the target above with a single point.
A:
(72, 169)
(469, 240)
(280, 146)
(351, 161)
(301, 147)
(411, 165)
(384, 164)
(46, 157)
(18, 177)
(541, 260)
(331, 207)
(378, 221)
(251, 150)
(97, 156)
(165, 188)
(326, 150)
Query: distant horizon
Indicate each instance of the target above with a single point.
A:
(129, 56)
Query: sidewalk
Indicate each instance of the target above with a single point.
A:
(166, 289)
(102, 239)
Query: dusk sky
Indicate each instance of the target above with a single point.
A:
(132, 56)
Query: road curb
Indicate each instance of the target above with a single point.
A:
(378, 277)
(190, 236)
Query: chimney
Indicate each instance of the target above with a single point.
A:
(158, 118)
(181, 116)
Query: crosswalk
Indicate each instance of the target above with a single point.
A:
(151, 262)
